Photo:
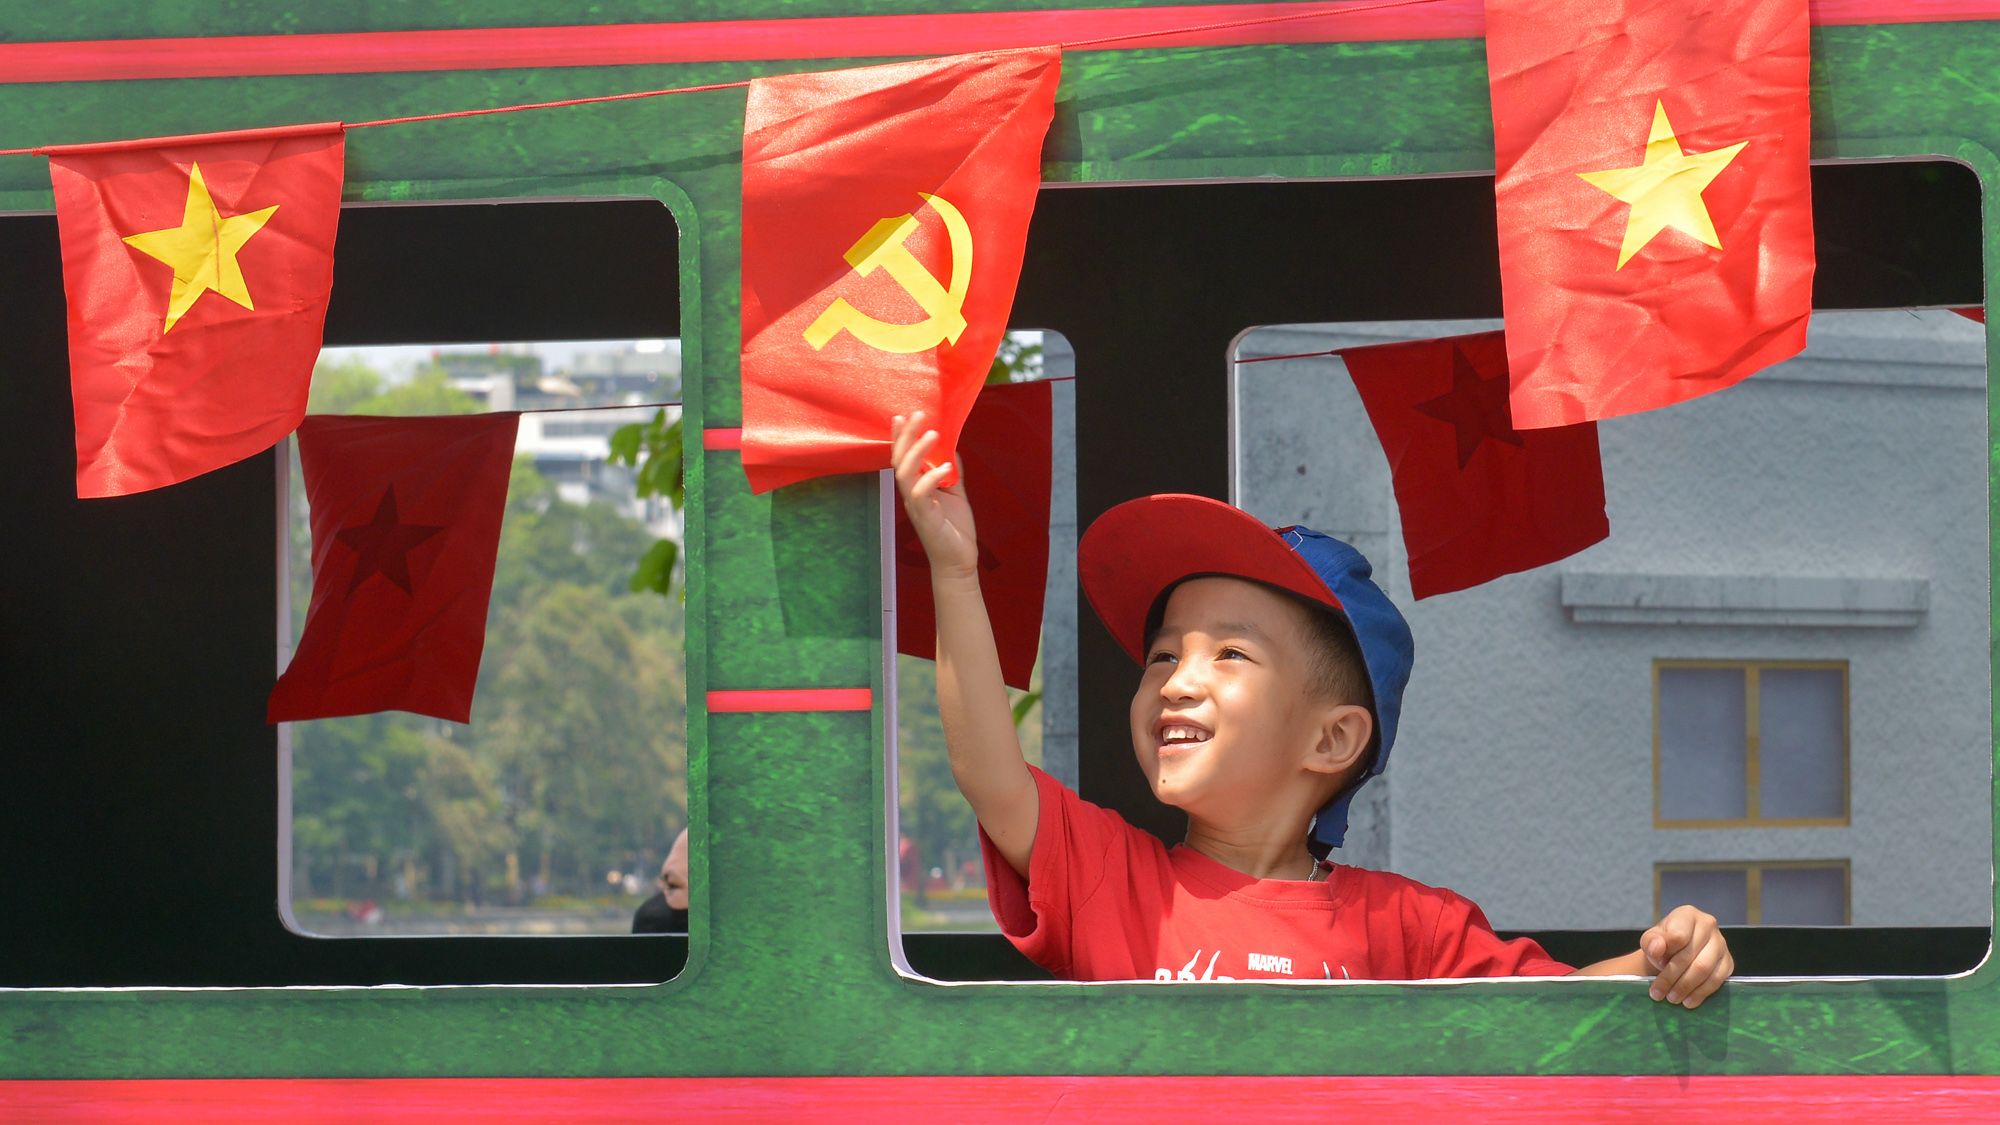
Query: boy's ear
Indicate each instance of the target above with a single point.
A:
(1344, 731)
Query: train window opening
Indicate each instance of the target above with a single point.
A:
(1778, 654)
(555, 809)
(1415, 258)
(941, 886)
(165, 795)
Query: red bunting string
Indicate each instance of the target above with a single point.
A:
(1294, 355)
(1229, 25)
(676, 405)
(546, 105)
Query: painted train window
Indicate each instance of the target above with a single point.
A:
(1766, 691)
(556, 809)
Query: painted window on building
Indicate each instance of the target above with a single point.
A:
(1750, 743)
(1788, 893)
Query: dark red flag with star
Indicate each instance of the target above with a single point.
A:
(405, 526)
(1005, 449)
(1478, 498)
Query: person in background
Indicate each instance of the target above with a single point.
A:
(667, 911)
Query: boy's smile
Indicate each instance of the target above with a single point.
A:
(1225, 714)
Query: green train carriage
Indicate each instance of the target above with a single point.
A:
(1300, 171)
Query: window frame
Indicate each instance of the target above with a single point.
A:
(1064, 765)
(1753, 817)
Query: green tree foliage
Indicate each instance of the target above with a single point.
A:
(581, 715)
(934, 814)
(654, 449)
(352, 387)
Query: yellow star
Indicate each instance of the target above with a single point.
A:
(1665, 191)
(202, 250)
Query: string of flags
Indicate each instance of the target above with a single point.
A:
(1655, 232)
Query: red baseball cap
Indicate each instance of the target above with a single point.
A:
(1138, 550)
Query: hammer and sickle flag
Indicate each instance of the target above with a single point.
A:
(197, 271)
(1653, 198)
(885, 210)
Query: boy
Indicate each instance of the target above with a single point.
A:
(1272, 683)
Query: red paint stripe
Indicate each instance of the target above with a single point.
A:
(791, 699)
(654, 44)
(1805, 1100)
(722, 439)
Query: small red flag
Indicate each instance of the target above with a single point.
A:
(1653, 199)
(197, 270)
(1005, 449)
(1973, 312)
(405, 526)
(884, 214)
(1478, 497)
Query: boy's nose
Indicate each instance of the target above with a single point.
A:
(1185, 682)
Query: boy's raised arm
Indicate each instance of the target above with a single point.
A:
(978, 721)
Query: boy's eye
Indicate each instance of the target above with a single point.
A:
(1161, 656)
(1232, 654)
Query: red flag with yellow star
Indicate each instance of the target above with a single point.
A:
(885, 210)
(405, 527)
(1479, 498)
(1653, 200)
(197, 271)
(1006, 448)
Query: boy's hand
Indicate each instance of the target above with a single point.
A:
(940, 514)
(1688, 955)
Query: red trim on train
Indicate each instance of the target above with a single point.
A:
(722, 439)
(709, 41)
(1793, 1100)
(791, 699)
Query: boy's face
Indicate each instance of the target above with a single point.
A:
(1226, 717)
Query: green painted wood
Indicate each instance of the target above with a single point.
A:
(789, 969)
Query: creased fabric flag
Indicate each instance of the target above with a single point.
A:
(885, 210)
(197, 271)
(405, 527)
(1653, 200)
(1479, 498)
(1005, 450)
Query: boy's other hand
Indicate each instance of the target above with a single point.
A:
(940, 514)
(1688, 956)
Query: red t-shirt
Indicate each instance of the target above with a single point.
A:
(1106, 901)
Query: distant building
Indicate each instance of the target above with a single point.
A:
(646, 369)
(569, 441)
(573, 448)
